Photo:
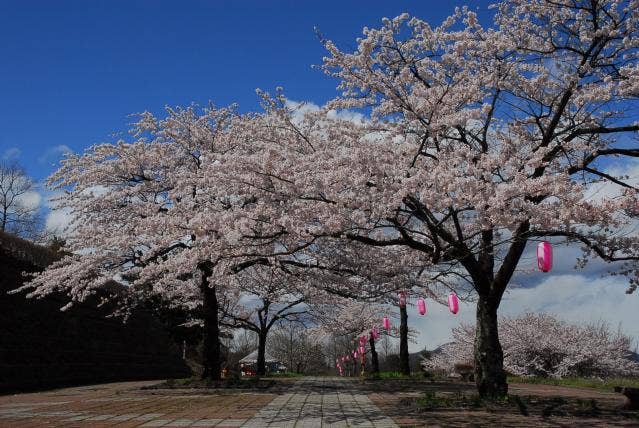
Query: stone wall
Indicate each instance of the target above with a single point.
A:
(41, 347)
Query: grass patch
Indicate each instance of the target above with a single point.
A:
(394, 375)
(587, 407)
(397, 378)
(285, 374)
(599, 384)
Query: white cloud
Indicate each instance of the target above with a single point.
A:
(12, 153)
(350, 115)
(434, 328)
(579, 299)
(57, 218)
(564, 261)
(57, 221)
(30, 200)
(52, 156)
(604, 190)
(301, 108)
(575, 298)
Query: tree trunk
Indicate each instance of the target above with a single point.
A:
(211, 351)
(290, 352)
(489, 357)
(374, 358)
(261, 354)
(404, 364)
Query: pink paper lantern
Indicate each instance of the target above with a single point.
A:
(362, 340)
(355, 354)
(386, 323)
(402, 299)
(544, 256)
(375, 333)
(453, 303)
(362, 350)
(421, 306)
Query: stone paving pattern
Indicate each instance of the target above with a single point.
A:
(309, 402)
(321, 402)
(305, 402)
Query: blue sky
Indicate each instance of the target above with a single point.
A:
(72, 71)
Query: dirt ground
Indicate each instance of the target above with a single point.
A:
(529, 405)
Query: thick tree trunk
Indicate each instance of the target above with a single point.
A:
(374, 358)
(489, 357)
(211, 351)
(261, 354)
(404, 363)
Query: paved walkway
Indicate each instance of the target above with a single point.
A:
(321, 402)
(309, 402)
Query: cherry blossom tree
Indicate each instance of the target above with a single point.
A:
(345, 321)
(141, 218)
(481, 140)
(149, 215)
(266, 297)
(498, 134)
(542, 345)
(299, 347)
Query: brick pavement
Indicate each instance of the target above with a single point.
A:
(309, 402)
(124, 405)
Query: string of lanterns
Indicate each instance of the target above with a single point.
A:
(453, 306)
(544, 262)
